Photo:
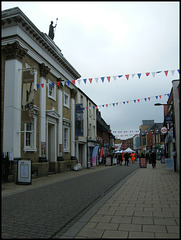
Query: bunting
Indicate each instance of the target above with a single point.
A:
(132, 133)
(127, 76)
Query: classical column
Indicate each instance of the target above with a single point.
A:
(14, 55)
(60, 122)
(44, 70)
(73, 94)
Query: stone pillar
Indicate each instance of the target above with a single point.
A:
(14, 55)
(60, 122)
(44, 70)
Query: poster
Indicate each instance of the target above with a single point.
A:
(79, 120)
(108, 161)
(94, 155)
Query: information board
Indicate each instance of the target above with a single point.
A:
(24, 172)
(169, 164)
(143, 163)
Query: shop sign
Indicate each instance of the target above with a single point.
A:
(163, 130)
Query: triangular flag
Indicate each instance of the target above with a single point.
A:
(113, 104)
(85, 80)
(133, 74)
(160, 96)
(53, 84)
(90, 80)
(166, 72)
(149, 98)
(123, 102)
(96, 79)
(127, 101)
(37, 85)
(42, 85)
(108, 78)
(58, 83)
(68, 82)
(172, 71)
(156, 97)
(145, 99)
(134, 101)
(178, 70)
(73, 81)
(120, 76)
(114, 77)
(78, 81)
(147, 74)
(158, 71)
(127, 76)
(116, 103)
(138, 100)
(153, 73)
(102, 78)
(139, 75)
(106, 105)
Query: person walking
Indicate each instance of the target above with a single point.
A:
(120, 159)
(153, 159)
(132, 157)
(126, 157)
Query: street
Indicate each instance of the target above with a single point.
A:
(44, 211)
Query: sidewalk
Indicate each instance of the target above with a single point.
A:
(145, 206)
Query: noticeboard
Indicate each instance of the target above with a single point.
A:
(24, 172)
(143, 163)
(169, 164)
(108, 161)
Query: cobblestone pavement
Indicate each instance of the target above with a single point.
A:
(146, 206)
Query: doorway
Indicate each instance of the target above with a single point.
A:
(51, 146)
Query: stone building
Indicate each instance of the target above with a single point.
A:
(37, 97)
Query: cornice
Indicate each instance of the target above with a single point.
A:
(15, 16)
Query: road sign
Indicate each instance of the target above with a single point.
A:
(163, 130)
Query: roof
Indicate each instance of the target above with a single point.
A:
(14, 16)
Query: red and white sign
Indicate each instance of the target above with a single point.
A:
(163, 130)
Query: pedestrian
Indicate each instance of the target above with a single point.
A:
(132, 157)
(126, 157)
(120, 159)
(153, 159)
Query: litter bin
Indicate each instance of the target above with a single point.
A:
(143, 163)
(24, 172)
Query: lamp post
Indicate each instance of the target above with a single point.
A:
(173, 141)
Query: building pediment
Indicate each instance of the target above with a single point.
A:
(52, 113)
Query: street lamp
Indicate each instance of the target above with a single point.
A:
(174, 148)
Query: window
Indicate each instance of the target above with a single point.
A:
(51, 90)
(66, 139)
(66, 100)
(29, 137)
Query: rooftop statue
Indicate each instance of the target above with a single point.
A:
(51, 30)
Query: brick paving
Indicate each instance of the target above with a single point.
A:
(145, 206)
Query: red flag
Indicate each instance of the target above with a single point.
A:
(73, 81)
(166, 72)
(147, 74)
(106, 105)
(138, 100)
(149, 98)
(160, 96)
(127, 76)
(90, 80)
(127, 101)
(58, 83)
(108, 78)
(42, 85)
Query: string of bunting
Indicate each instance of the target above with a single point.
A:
(134, 100)
(133, 133)
(109, 78)
(127, 76)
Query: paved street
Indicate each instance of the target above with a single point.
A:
(42, 209)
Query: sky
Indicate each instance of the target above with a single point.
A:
(110, 39)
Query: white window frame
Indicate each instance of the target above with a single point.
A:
(66, 100)
(32, 133)
(53, 95)
(66, 139)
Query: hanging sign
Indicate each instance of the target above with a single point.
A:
(163, 130)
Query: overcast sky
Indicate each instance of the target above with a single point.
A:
(102, 39)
